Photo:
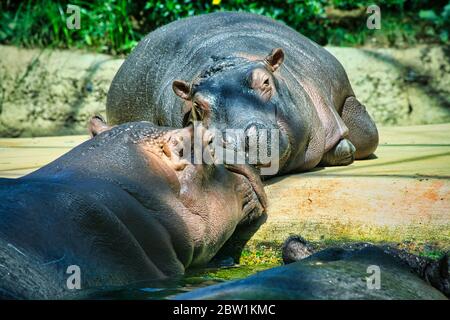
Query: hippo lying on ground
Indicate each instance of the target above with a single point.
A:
(249, 72)
(339, 273)
(123, 208)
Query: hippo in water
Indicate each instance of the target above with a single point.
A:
(348, 272)
(122, 207)
(248, 72)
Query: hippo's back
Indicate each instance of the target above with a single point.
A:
(330, 274)
(142, 90)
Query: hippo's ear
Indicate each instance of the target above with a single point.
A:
(97, 125)
(275, 59)
(181, 89)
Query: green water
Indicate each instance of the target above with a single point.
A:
(192, 280)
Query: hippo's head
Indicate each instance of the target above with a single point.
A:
(170, 154)
(245, 94)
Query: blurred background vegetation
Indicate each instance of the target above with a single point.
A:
(115, 26)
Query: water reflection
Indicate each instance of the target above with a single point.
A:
(194, 279)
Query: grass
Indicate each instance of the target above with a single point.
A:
(104, 27)
(115, 26)
(430, 242)
(269, 254)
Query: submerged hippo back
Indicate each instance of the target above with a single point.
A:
(142, 90)
(330, 274)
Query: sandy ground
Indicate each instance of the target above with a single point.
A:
(401, 195)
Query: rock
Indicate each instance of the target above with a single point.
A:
(45, 92)
(400, 86)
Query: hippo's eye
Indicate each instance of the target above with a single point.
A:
(199, 110)
(166, 150)
(261, 83)
(259, 80)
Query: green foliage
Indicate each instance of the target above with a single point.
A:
(440, 21)
(115, 26)
(105, 25)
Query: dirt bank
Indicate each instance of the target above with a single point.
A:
(45, 92)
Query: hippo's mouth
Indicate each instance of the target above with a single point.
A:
(252, 177)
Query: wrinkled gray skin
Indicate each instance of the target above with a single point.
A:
(335, 273)
(122, 207)
(240, 70)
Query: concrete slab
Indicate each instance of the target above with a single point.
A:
(20, 156)
(402, 195)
